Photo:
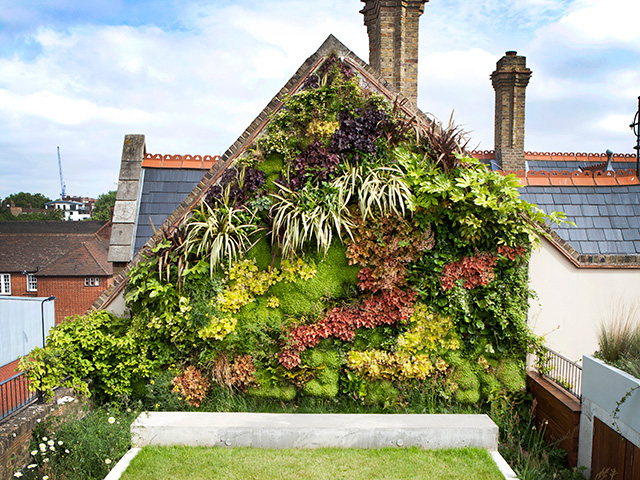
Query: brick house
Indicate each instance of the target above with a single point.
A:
(64, 259)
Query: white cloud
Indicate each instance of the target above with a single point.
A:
(66, 111)
(193, 86)
(598, 22)
(458, 82)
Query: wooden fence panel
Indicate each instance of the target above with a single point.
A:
(557, 413)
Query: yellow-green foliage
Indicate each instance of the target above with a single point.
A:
(379, 364)
(245, 281)
(416, 355)
(294, 270)
(218, 328)
(323, 129)
(267, 388)
(428, 332)
(381, 393)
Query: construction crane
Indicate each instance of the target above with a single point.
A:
(62, 185)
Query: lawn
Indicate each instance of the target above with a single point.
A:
(195, 463)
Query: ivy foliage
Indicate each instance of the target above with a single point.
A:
(351, 251)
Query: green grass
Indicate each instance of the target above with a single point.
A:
(201, 463)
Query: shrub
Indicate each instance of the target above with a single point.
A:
(99, 346)
(619, 338)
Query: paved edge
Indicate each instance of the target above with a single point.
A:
(504, 467)
(124, 462)
(122, 465)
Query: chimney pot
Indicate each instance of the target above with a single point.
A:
(511, 53)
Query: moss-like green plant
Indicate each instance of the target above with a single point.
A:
(325, 385)
(308, 296)
(260, 253)
(275, 389)
(381, 393)
(510, 373)
(490, 388)
(466, 378)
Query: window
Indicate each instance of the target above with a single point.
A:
(5, 284)
(32, 283)
(91, 281)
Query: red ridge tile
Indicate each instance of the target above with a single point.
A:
(172, 161)
(152, 161)
(559, 178)
(604, 178)
(582, 178)
(192, 161)
(537, 178)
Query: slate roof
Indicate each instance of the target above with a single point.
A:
(55, 248)
(163, 190)
(605, 206)
(607, 218)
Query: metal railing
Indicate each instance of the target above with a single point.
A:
(560, 370)
(15, 394)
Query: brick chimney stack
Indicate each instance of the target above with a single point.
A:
(510, 81)
(392, 26)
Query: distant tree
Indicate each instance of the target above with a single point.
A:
(49, 216)
(104, 204)
(23, 199)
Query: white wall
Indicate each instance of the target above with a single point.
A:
(572, 302)
(21, 325)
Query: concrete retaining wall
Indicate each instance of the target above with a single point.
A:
(270, 430)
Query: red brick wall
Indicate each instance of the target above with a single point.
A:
(73, 298)
(8, 371)
(19, 285)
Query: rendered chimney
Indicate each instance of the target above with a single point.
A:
(510, 81)
(392, 26)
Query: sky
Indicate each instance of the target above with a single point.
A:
(191, 75)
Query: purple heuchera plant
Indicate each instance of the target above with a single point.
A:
(254, 179)
(315, 162)
(357, 134)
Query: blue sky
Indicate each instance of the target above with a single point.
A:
(191, 75)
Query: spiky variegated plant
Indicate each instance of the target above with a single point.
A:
(220, 234)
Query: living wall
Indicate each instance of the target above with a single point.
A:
(352, 251)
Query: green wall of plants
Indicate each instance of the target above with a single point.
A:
(351, 252)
